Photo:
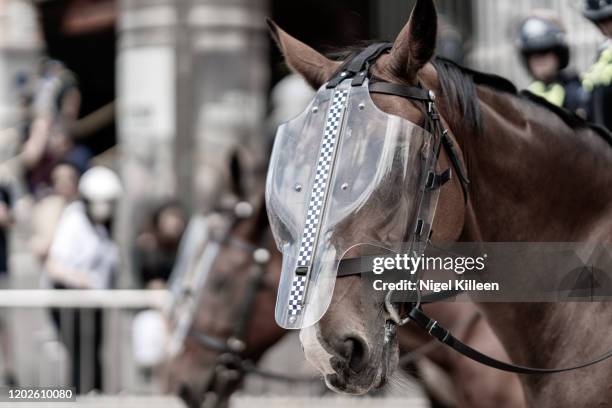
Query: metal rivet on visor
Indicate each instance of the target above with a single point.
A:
(298, 187)
(361, 106)
(344, 186)
(315, 109)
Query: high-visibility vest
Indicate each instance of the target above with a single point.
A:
(600, 74)
(553, 93)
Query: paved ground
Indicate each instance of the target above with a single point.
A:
(106, 402)
(287, 357)
(327, 402)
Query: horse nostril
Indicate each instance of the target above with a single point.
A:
(355, 352)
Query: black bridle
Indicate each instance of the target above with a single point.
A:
(232, 364)
(358, 68)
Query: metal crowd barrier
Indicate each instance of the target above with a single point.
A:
(109, 299)
(36, 335)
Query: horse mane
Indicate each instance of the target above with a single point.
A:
(459, 84)
(571, 119)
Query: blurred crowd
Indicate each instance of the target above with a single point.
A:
(544, 45)
(73, 200)
(69, 204)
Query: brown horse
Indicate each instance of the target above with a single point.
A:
(538, 175)
(191, 374)
(194, 371)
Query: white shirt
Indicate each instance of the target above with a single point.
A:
(78, 244)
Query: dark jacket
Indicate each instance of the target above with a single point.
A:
(598, 80)
(5, 198)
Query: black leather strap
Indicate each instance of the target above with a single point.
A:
(377, 52)
(356, 267)
(454, 157)
(435, 181)
(436, 297)
(423, 95)
(445, 337)
(352, 267)
(359, 64)
(404, 91)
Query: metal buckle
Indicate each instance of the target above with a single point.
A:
(432, 326)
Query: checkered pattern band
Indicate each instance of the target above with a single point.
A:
(317, 197)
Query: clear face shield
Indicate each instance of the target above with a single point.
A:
(344, 177)
(199, 250)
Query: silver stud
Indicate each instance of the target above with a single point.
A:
(236, 344)
(344, 186)
(361, 106)
(315, 109)
(298, 187)
(343, 74)
(261, 256)
(243, 209)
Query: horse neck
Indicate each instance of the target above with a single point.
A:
(533, 178)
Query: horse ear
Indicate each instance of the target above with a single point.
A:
(416, 43)
(302, 59)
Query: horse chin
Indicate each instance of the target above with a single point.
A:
(372, 377)
(353, 384)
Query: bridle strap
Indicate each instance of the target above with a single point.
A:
(210, 342)
(245, 310)
(353, 267)
(408, 92)
(451, 151)
(419, 94)
(359, 65)
(443, 335)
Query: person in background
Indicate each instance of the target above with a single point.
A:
(158, 246)
(598, 78)
(542, 42)
(53, 106)
(46, 214)
(157, 250)
(83, 256)
(451, 42)
(6, 221)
